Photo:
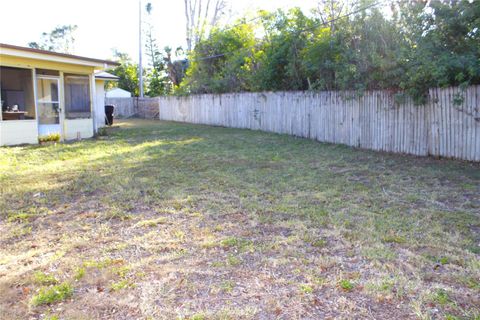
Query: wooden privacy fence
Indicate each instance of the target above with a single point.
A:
(124, 107)
(448, 125)
(130, 107)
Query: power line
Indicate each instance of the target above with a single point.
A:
(299, 31)
(277, 9)
(251, 19)
(237, 25)
(344, 16)
(232, 27)
(209, 57)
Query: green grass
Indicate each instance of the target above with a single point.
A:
(240, 244)
(228, 286)
(233, 260)
(346, 284)
(119, 285)
(441, 297)
(305, 288)
(20, 217)
(79, 273)
(152, 222)
(52, 294)
(185, 205)
(42, 278)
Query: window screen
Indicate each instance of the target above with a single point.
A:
(16, 94)
(77, 97)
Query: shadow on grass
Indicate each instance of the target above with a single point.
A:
(378, 205)
(247, 170)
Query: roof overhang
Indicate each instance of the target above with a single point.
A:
(118, 89)
(105, 76)
(24, 52)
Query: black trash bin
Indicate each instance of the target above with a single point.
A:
(109, 109)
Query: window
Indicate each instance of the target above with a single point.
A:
(16, 95)
(77, 97)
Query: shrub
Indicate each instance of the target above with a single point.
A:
(52, 137)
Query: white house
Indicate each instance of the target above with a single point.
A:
(100, 78)
(45, 92)
(118, 93)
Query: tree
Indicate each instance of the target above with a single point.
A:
(127, 72)
(222, 62)
(330, 11)
(60, 39)
(279, 65)
(175, 68)
(443, 44)
(157, 79)
(424, 44)
(200, 15)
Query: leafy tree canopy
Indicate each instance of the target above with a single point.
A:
(423, 44)
(60, 39)
(127, 72)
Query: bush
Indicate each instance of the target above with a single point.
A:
(52, 137)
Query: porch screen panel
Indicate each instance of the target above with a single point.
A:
(16, 93)
(77, 97)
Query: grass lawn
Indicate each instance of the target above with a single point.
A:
(161, 220)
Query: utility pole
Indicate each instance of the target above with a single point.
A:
(140, 67)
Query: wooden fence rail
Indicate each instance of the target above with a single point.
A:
(448, 125)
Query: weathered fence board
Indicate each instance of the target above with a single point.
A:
(124, 107)
(130, 107)
(448, 125)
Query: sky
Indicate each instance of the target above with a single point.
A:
(107, 24)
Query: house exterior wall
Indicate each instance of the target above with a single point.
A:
(99, 106)
(75, 128)
(15, 132)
